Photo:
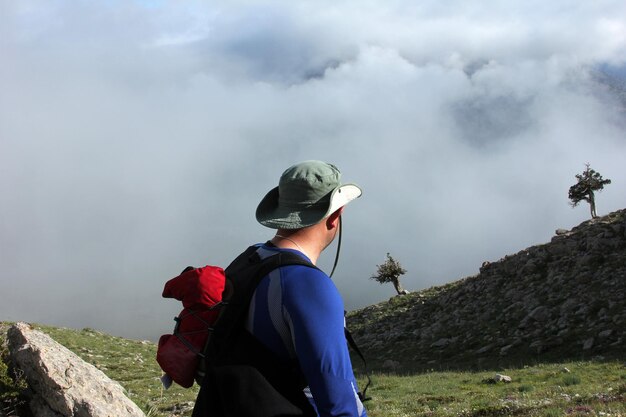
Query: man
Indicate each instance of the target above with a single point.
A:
(296, 310)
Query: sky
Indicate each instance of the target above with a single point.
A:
(137, 137)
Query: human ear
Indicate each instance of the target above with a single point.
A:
(332, 221)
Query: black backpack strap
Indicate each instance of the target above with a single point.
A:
(244, 275)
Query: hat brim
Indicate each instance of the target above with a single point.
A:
(271, 214)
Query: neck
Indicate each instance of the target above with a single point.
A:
(299, 240)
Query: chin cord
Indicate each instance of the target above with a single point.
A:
(362, 394)
(338, 249)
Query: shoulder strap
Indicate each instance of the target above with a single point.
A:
(244, 274)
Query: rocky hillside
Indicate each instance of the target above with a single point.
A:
(560, 300)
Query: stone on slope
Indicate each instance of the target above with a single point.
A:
(62, 383)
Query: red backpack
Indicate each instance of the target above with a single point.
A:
(200, 290)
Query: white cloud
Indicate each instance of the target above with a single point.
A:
(137, 138)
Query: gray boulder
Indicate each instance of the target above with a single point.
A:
(63, 385)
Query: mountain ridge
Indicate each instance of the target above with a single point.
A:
(557, 300)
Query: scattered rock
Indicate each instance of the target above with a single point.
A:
(391, 365)
(505, 350)
(484, 349)
(502, 378)
(441, 343)
(605, 333)
(540, 313)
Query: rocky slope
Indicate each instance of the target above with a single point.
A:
(560, 300)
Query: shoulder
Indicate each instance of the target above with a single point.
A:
(291, 270)
(303, 275)
(301, 279)
(309, 288)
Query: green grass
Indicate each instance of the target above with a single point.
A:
(571, 380)
(542, 390)
(525, 388)
(588, 389)
(11, 385)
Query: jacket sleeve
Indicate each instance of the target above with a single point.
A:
(313, 309)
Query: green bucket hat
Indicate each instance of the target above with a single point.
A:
(307, 193)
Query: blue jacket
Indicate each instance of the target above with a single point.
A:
(298, 312)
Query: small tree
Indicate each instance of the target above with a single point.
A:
(390, 271)
(588, 182)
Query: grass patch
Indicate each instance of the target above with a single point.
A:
(534, 391)
(525, 388)
(540, 390)
(11, 385)
(569, 380)
(553, 412)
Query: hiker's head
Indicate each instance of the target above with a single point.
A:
(307, 193)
